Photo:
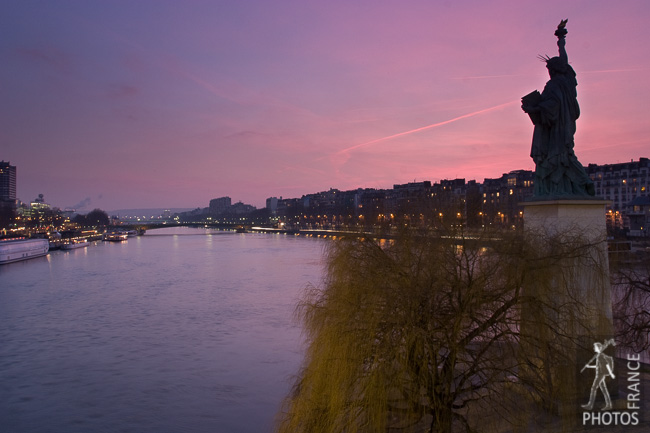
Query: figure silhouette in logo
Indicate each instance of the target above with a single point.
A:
(604, 366)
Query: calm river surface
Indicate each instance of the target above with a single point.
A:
(180, 330)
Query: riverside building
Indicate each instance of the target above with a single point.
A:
(623, 184)
(7, 192)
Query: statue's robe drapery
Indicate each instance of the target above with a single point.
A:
(558, 172)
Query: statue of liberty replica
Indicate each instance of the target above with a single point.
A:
(567, 222)
(558, 173)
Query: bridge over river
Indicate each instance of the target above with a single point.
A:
(165, 225)
(146, 226)
(335, 233)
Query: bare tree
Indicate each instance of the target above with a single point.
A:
(631, 287)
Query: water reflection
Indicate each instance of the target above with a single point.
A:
(173, 331)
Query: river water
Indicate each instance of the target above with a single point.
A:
(180, 330)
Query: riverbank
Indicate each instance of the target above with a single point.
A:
(317, 233)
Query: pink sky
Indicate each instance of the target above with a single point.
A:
(125, 104)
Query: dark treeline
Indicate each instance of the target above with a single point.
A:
(94, 218)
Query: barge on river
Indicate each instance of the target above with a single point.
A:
(116, 236)
(74, 244)
(14, 250)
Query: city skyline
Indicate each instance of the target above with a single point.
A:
(119, 105)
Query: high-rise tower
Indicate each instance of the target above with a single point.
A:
(7, 182)
(7, 193)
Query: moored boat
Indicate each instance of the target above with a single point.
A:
(14, 250)
(115, 236)
(74, 244)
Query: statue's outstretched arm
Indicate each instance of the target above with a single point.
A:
(561, 40)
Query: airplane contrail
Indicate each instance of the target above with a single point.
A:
(423, 128)
(480, 77)
(609, 71)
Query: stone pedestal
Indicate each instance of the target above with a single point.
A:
(571, 296)
(585, 217)
(586, 274)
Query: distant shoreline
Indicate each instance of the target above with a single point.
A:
(147, 211)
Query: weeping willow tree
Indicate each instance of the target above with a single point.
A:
(421, 334)
(566, 307)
